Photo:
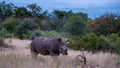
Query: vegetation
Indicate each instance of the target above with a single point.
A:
(28, 22)
(49, 34)
(25, 27)
(96, 43)
(10, 24)
(14, 60)
(105, 24)
(76, 25)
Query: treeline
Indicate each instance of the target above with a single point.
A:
(28, 22)
(21, 20)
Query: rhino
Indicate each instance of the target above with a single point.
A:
(48, 46)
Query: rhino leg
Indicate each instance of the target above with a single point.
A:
(57, 54)
(54, 54)
(51, 53)
(34, 53)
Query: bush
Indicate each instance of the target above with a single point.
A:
(25, 27)
(106, 24)
(51, 34)
(114, 42)
(91, 43)
(10, 24)
(48, 34)
(5, 34)
(96, 43)
(76, 25)
(35, 34)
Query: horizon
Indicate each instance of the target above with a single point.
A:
(92, 8)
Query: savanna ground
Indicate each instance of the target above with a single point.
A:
(19, 56)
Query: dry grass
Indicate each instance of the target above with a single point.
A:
(25, 61)
(13, 60)
(20, 58)
(2, 44)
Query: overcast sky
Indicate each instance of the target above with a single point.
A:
(93, 8)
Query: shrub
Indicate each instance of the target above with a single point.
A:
(48, 34)
(96, 43)
(5, 34)
(51, 34)
(91, 43)
(114, 44)
(35, 34)
(76, 26)
(106, 24)
(10, 24)
(26, 26)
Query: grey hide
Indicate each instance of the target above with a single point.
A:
(48, 46)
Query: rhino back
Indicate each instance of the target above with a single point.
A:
(44, 44)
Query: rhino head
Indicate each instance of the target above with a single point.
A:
(62, 46)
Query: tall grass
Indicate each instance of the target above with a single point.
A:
(12, 60)
(20, 58)
(17, 61)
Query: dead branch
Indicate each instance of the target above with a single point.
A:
(82, 62)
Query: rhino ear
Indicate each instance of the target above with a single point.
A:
(59, 39)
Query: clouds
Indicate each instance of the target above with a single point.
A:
(81, 3)
(69, 3)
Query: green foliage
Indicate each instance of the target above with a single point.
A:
(6, 10)
(53, 24)
(22, 12)
(83, 16)
(48, 34)
(59, 14)
(35, 10)
(76, 25)
(96, 43)
(106, 24)
(5, 34)
(10, 24)
(51, 34)
(26, 36)
(26, 26)
(35, 34)
(114, 42)
(57, 19)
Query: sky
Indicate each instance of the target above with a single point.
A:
(94, 8)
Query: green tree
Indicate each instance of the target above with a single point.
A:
(6, 10)
(22, 12)
(59, 14)
(57, 19)
(107, 24)
(76, 25)
(10, 24)
(35, 10)
(25, 27)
